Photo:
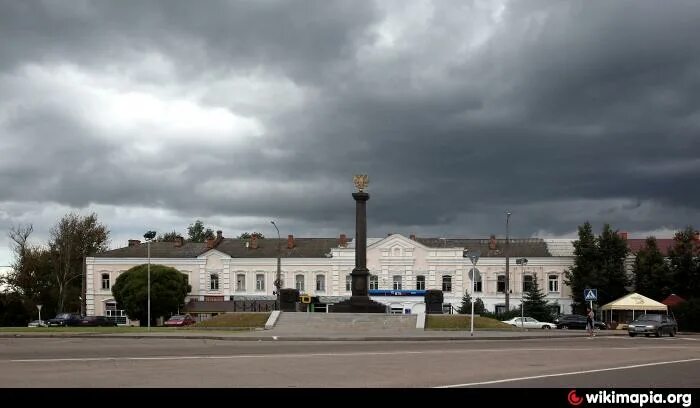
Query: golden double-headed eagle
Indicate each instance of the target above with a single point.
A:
(360, 181)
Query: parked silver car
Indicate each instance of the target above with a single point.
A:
(656, 324)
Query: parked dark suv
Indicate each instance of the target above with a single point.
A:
(576, 322)
(656, 324)
(65, 319)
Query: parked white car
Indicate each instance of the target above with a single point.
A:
(529, 323)
(37, 323)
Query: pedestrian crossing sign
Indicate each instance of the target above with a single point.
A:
(590, 294)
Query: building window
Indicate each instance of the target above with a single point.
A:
(373, 282)
(447, 283)
(500, 309)
(527, 283)
(105, 281)
(299, 283)
(475, 276)
(320, 283)
(501, 284)
(281, 281)
(260, 282)
(420, 282)
(397, 251)
(240, 282)
(187, 278)
(553, 283)
(214, 281)
(397, 282)
(348, 282)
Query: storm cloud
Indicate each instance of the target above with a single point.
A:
(155, 113)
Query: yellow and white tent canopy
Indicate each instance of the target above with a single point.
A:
(635, 301)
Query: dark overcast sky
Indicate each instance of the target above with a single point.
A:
(155, 113)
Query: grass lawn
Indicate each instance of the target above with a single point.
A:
(235, 320)
(461, 322)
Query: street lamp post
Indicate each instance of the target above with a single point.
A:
(149, 237)
(278, 281)
(507, 261)
(522, 262)
(474, 257)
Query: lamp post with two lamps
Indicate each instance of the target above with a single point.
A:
(522, 262)
(507, 261)
(278, 281)
(149, 236)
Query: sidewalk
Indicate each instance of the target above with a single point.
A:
(274, 335)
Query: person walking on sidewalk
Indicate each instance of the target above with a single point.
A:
(589, 323)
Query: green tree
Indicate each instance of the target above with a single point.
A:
(612, 280)
(599, 263)
(585, 267)
(535, 304)
(71, 240)
(652, 276)
(197, 233)
(685, 263)
(479, 307)
(688, 315)
(13, 311)
(248, 235)
(466, 307)
(168, 237)
(168, 290)
(31, 277)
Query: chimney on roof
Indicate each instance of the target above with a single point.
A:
(218, 239)
(623, 235)
(254, 242)
(179, 241)
(210, 243)
(492, 243)
(343, 241)
(413, 237)
(290, 241)
(134, 242)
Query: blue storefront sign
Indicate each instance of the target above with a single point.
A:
(388, 292)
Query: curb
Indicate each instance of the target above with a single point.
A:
(293, 338)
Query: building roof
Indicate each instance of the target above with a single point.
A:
(664, 244)
(158, 250)
(236, 248)
(532, 247)
(634, 301)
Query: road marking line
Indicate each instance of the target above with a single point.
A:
(569, 373)
(348, 354)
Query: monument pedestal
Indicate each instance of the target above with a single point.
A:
(358, 304)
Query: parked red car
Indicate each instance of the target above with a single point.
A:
(180, 321)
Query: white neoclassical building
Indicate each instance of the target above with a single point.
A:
(224, 270)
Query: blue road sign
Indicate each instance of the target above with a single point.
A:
(590, 294)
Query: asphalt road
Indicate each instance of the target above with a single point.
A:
(550, 362)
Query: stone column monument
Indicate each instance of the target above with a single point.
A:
(360, 301)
